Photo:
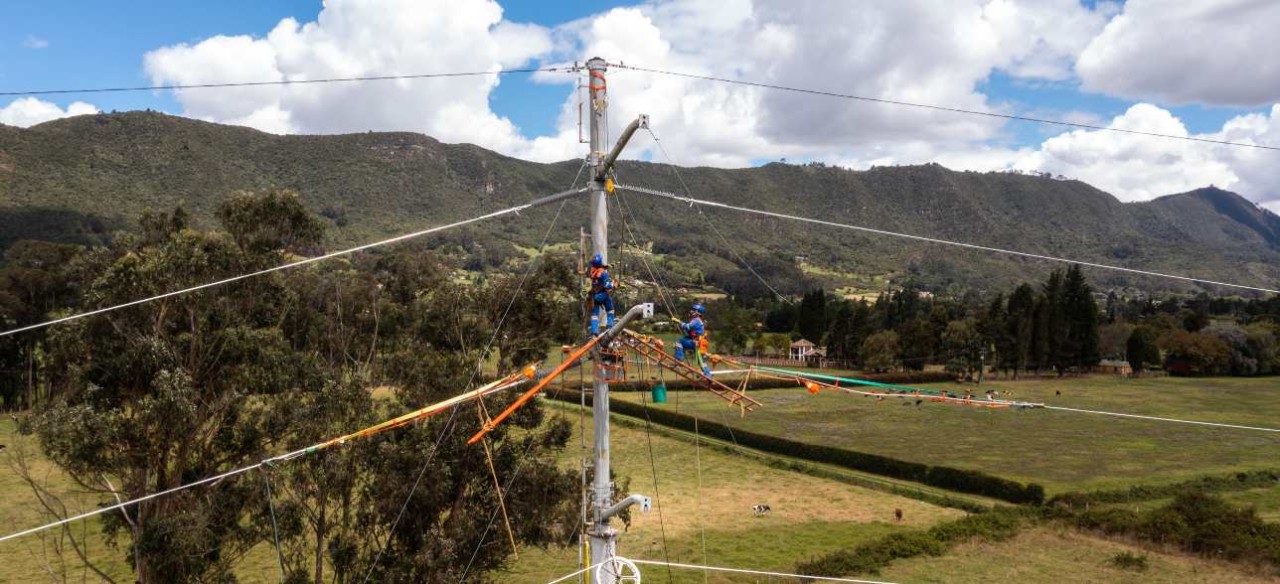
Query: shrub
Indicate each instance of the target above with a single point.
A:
(870, 557)
(1198, 523)
(1129, 561)
(1206, 484)
(997, 525)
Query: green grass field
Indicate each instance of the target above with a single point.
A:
(1063, 451)
(811, 516)
(1060, 556)
(707, 492)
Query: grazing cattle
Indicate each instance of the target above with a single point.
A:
(897, 515)
(760, 510)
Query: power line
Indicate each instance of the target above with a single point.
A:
(942, 108)
(502, 492)
(451, 403)
(691, 200)
(756, 572)
(21, 93)
(508, 211)
(712, 224)
(577, 573)
(1159, 419)
(141, 499)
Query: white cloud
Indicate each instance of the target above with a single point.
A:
(1042, 39)
(913, 51)
(1208, 51)
(1135, 167)
(35, 42)
(29, 111)
(352, 38)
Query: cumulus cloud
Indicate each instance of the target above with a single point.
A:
(29, 111)
(912, 50)
(1135, 167)
(1209, 51)
(352, 38)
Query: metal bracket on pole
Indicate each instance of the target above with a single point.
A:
(638, 123)
(645, 503)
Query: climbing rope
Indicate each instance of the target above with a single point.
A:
(702, 528)
(712, 224)
(476, 372)
(657, 496)
(657, 280)
(275, 529)
(483, 413)
(521, 461)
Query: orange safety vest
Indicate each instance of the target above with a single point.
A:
(595, 276)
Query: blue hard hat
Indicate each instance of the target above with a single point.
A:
(597, 261)
(699, 308)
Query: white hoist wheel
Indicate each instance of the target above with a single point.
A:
(618, 569)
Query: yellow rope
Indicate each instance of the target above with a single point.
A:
(483, 412)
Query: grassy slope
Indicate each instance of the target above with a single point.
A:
(810, 515)
(31, 558)
(1062, 557)
(1063, 451)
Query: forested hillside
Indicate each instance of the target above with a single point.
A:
(78, 179)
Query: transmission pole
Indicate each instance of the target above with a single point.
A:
(601, 535)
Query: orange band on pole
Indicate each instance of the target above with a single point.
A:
(592, 84)
(528, 395)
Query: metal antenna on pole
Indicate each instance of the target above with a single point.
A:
(602, 537)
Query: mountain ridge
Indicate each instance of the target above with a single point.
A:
(76, 179)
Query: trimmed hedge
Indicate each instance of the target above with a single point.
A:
(1207, 484)
(964, 481)
(792, 464)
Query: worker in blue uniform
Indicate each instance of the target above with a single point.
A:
(601, 294)
(692, 335)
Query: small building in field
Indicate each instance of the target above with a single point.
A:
(802, 349)
(1114, 367)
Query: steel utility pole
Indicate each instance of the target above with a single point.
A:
(603, 544)
(602, 536)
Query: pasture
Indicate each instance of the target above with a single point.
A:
(1063, 451)
(707, 493)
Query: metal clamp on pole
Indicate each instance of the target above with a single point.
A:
(645, 503)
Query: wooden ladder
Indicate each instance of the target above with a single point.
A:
(651, 349)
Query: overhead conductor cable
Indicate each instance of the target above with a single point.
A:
(704, 202)
(508, 211)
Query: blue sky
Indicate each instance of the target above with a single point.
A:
(100, 44)
(53, 44)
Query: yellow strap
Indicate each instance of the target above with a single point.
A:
(502, 503)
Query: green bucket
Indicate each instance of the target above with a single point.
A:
(660, 393)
